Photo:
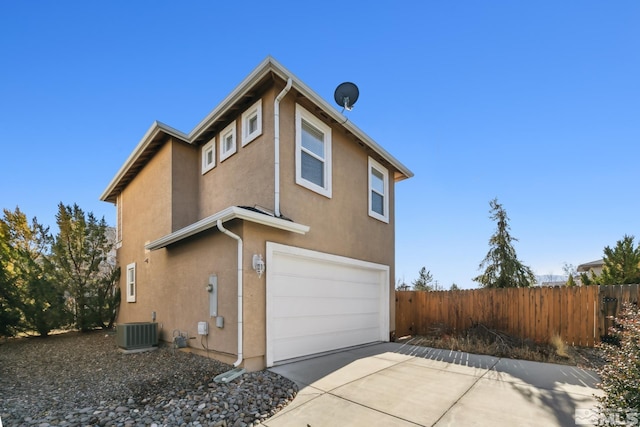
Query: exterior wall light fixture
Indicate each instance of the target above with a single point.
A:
(258, 265)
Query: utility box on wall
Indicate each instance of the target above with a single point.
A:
(203, 328)
(212, 288)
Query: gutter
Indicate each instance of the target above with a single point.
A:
(276, 143)
(240, 316)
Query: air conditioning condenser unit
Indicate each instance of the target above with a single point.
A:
(132, 336)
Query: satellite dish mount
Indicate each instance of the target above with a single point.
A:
(346, 95)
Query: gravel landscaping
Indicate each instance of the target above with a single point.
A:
(81, 379)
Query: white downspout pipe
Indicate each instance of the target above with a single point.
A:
(240, 317)
(276, 140)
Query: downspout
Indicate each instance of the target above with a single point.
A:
(276, 140)
(239, 240)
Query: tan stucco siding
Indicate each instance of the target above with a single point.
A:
(339, 224)
(172, 283)
(247, 177)
(171, 192)
(185, 174)
(181, 275)
(145, 210)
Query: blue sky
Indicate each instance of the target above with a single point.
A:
(535, 103)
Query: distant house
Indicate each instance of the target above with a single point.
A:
(554, 283)
(267, 232)
(594, 267)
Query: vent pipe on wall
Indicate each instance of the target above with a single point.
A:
(276, 142)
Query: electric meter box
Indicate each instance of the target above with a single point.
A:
(203, 328)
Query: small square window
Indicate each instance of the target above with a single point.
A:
(209, 156)
(252, 123)
(378, 191)
(131, 282)
(228, 141)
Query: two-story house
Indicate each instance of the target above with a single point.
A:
(272, 221)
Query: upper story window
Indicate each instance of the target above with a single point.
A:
(313, 152)
(209, 156)
(228, 141)
(252, 123)
(378, 191)
(131, 282)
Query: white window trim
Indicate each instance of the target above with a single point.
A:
(254, 111)
(229, 130)
(209, 146)
(119, 221)
(131, 284)
(302, 113)
(385, 197)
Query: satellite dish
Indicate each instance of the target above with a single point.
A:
(346, 95)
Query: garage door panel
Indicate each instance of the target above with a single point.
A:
(322, 325)
(300, 267)
(317, 302)
(294, 307)
(314, 287)
(312, 344)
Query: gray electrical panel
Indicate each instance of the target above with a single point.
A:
(213, 295)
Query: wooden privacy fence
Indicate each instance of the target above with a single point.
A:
(580, 315)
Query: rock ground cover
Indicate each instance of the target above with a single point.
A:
(81, 379)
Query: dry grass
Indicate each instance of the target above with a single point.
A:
(559, 345)
(481, 339)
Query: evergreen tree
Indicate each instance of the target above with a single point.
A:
(10, 315)
(81, 253)
(621, 265)
(423, 283)
(570, 281)
(502, 269)
(36, 295)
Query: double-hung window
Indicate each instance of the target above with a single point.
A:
(313, 152)
(252, 123)
(378, 191)
(131, 282)
(228, 141)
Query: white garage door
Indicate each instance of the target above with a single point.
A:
(318, 302)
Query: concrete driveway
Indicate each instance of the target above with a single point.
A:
(390, 384)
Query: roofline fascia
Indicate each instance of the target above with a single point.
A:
(269, 64)
(588, 265)
(339, 117)
(258, 73)
(151, 133)
(232, 212)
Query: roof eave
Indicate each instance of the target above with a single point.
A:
(155, 129)
(232, 212)
(307, 92)
(268, 65)
(240, 90)
(589, 265)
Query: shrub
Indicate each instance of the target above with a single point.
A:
(620, 376)
(559, 346)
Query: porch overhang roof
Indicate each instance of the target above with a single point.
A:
(232, 212)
